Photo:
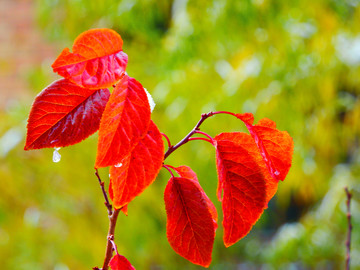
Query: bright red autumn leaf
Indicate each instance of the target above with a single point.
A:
(97, 60)
(124, 209)
(190, 227)
(64, 114)
(275, 146)
(243, 183)
(119, 262)
(187, 172)
(124, 123)
(138, 169)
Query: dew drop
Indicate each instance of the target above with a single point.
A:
(118, 165)
(276, 172)
(56, 155)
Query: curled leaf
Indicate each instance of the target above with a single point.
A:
(97, 60)
(276, 146)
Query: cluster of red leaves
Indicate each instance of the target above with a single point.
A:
(249, 168)
(71, 109)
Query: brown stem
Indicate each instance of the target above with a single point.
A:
(110, 237)
(348, 240)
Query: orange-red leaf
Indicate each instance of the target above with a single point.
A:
(97, 60)
(119, 262)
(190, 227)
(243, 180)
(187, 172)
(138, 169)
(276, 146)
(64, 114)
(124, 209)
(124, 122)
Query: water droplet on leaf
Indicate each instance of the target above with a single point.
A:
(118, 165)
(276, 172)
(56, 155)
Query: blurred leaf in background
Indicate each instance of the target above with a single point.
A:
(297, 63)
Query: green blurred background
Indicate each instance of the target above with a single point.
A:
(295, 62)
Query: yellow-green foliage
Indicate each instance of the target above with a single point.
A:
(295, 62)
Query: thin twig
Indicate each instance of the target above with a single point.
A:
(348, 240)
(200, 139)
(167, 139)
(211, 139)
(192, 132)
(167, 167)
(107, 202)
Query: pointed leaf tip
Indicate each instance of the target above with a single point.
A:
(97, 60)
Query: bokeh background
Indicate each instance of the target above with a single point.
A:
(295, 62)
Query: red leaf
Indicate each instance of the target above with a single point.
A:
(119, 262)
(124, 122)
(64, 114)
(124, 209)
(242, 179)
(97, 60)
(276, 146)
(187, 172)
(190, 227)
(138, 169)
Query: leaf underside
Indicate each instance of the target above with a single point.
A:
(97, 60)
(276, 147)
